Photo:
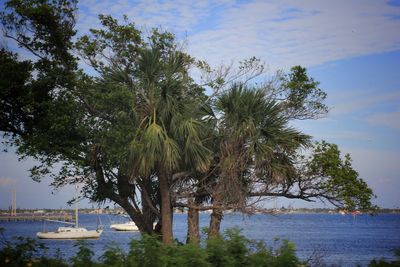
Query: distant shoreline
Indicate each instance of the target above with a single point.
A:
(118, 211)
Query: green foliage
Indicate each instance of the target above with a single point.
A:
(216, 252)
(113, 256)
(19, 252)
(256, 137)
(344, 187)
(145, 252)
(143, 117)
(233, 249)
(189, 255)
(22, 251)
(83, 257)
(15, 96)
(384, 263)
(150, 252)
(303, 98)
(227, 250)
(286, 255)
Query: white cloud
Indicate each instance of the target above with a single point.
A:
(176, 16)
(344, 135)
(283, 33)
(388, 119)
(314, 33)
(353, 101)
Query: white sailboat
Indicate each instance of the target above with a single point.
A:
(128, 226)
(70, 232)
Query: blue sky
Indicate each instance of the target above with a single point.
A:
(351, 47)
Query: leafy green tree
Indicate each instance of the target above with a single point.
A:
(255, 136)
(257, 153)
(300, 96)
(49, 110)
(324, 175)
(164, 102)
(328, 175)
(123, 133)
(143, 134)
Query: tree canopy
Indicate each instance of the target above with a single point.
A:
(142, 132)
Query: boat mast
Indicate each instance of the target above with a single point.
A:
(76, 207)
(14, 203)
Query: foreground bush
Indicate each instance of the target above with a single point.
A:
(230, 250)
(384, 263)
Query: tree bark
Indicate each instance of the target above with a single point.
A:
(149, 211)
(122, 199)
(135, 215)
(215, 222)
(166, 211)
(193, 233)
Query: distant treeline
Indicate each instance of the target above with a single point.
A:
(266, 211)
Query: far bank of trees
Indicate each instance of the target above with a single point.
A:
(140, 131)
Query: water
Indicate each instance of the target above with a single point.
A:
(339, 239)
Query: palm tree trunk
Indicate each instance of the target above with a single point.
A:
(217, 213)
(215, 222)
(166, 211)
(193, 234)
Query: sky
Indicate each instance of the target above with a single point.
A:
(352, 47)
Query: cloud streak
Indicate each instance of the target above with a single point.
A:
(344, 135)
(354, 102)
(387, 119)
(312, 35)
(282, 33)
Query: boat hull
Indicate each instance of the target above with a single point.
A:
(124, 227)
(87, 234)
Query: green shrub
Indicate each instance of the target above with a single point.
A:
(189, 255)
(229, 250)
(233, 249)
(83, 257)
(384, 263)
(286, 255)
(146, 252)
(261, 256)
(113, 257)
(217, 253)
(21, 251)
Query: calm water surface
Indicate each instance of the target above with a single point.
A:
(340, 239)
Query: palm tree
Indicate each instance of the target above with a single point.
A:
(255, 146)
(168, 139)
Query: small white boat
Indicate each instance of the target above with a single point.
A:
(128, 226)
(70, 233)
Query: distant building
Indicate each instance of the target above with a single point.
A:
(39, 211)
